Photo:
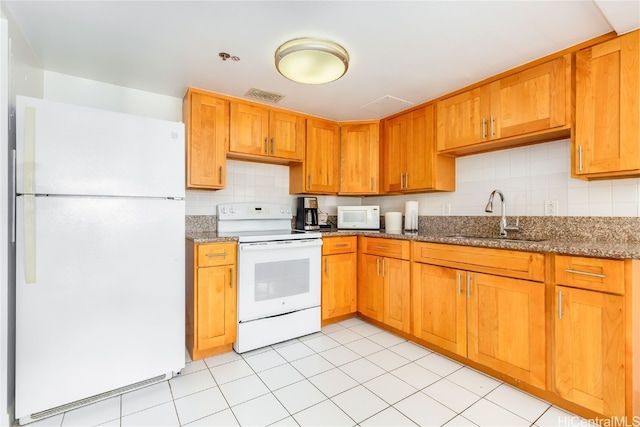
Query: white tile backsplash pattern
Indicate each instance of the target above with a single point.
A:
(527, 176)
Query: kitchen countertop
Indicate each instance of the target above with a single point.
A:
(592, 248)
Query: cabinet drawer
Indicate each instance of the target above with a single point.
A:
(605, 275)
(392, 248)
(339, 245)
(216, 254)
(501, 262)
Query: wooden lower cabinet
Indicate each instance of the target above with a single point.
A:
(339, 277)
(440, 306)
(370, 287)
(506, 326)
(384, 281)
(593, 335)
(590, 350)
(496, 321)
(210, 298)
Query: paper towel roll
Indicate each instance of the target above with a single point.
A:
(411, 216)
(393, 222)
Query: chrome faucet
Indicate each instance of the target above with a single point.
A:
(503, 209)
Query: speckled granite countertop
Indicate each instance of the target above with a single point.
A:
(592, 248)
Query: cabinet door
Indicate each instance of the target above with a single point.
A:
(207, 123)
(249, 132)
(420, 150)
(533, 100)
(286, 135)
(322, 156)
(216, 307)
(370, 286)
(339, 285)
(397, 290)
(607, 137)
(589, 350)
(506, 326)
(440, 306)
(394, 154)
(359, 158)
(461, 119)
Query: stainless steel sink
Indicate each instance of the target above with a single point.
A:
(497, 239)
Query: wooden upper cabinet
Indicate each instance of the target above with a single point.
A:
(607, 129)
(409, 160)
(461, 119)
(319, 172)
(359, 154)
(258, 132)
(532, 105)
(206, 120)
(535, 99)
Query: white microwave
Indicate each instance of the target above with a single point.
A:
(359, 217)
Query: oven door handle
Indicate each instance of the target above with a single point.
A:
(281, 244)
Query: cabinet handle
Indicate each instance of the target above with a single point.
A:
(266, 145)
(373, 183)
(326, 267)
(220, 176)
(484, 128)
(459, 284)
(377, 266)
(406, 180)
(493, 126)
(273, 143)
(468, 285)
(341, 245)
(586, 273)
(310, 180)
(580, 158)
(560, 305)
(380, 247)
(401, 180)
(231, 277)
(216, 255)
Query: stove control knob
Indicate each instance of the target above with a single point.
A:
(288, 210)
(223, 211)
(281, 210)
(231, 210)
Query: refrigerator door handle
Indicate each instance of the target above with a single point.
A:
(29, 150)
(29, 238)
(14, 187)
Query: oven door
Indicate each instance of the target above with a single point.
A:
(278, 277)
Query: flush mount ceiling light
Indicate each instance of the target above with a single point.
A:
(312, 61)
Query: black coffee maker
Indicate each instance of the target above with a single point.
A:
(307, 214)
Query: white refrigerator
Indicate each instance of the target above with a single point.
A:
(99, 254)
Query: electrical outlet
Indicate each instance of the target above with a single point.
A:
(550, 207)
(446, 209)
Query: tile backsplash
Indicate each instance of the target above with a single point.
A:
(528, 176)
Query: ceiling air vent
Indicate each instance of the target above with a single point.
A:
(263, 95)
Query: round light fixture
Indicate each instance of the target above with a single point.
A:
(311, 61)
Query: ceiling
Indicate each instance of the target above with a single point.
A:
(402, 53)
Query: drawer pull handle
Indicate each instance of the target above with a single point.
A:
(381, 247)
(586, 273)
(341, 245)
(216, 255)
